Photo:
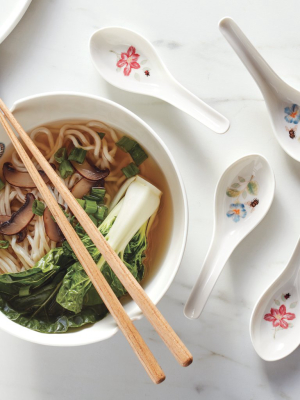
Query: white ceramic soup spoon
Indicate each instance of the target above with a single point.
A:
(274, 325)
(129, 61)
(281, 99)
(243, 196)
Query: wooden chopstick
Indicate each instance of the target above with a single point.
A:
(109, 298)
(168, 335)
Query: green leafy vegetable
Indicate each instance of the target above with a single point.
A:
(75, 285)
(60, 155)
(38, 208)
(59, 321)
(56, 294)
(24, 291)
(29, 298)
(125, 230)
(77, 154)
(4, 244)
(65, 169)
(130, 170)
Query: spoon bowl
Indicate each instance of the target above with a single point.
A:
(128, 61)
(281, 99)
(243, 196)
(274, 325)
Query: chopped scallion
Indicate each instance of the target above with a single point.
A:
(2, 185)
(4, 244)
(90, 207)
(60, 155)
(38, 208)
(92, 198)
(101, 134)
(126, 144)
(77, 154)
(138, 154)
(130, 170)
(133, 148)
(101, 213)
(98, 192)
(81, 202)
(65, 169)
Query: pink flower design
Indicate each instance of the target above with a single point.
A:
(278, 317)
(129, 60)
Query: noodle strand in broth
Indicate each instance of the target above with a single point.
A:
(102, 152)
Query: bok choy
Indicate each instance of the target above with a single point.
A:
(56, 294)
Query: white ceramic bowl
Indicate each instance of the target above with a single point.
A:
(51, 107)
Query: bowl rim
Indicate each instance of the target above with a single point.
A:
(182, 189)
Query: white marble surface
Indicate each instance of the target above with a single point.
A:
(49, 51)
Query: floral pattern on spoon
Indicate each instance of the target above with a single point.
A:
(292, 117)
(279, 316)
(242, 188)
(129, 60)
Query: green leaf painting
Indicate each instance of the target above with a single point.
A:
(252, 188)
(232, 192)
(243, 191)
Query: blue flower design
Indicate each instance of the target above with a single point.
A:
(237, 211)
(293, 114)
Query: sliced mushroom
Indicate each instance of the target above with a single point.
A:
(4, 218)
(52, 229)
(21, 179)
(21, 235)
(20, 219)
(82, 187)
(89, 171)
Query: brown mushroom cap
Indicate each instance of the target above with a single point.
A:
(20, 219)
(52, 229)
(82, 187)
(21, 179)
(89, 171)
(21, 235)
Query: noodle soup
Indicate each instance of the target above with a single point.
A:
(99, 143)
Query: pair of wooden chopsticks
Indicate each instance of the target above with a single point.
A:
(165, 331)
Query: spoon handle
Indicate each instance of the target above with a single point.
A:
(213, 264)
(180, 97)
(260, 70)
